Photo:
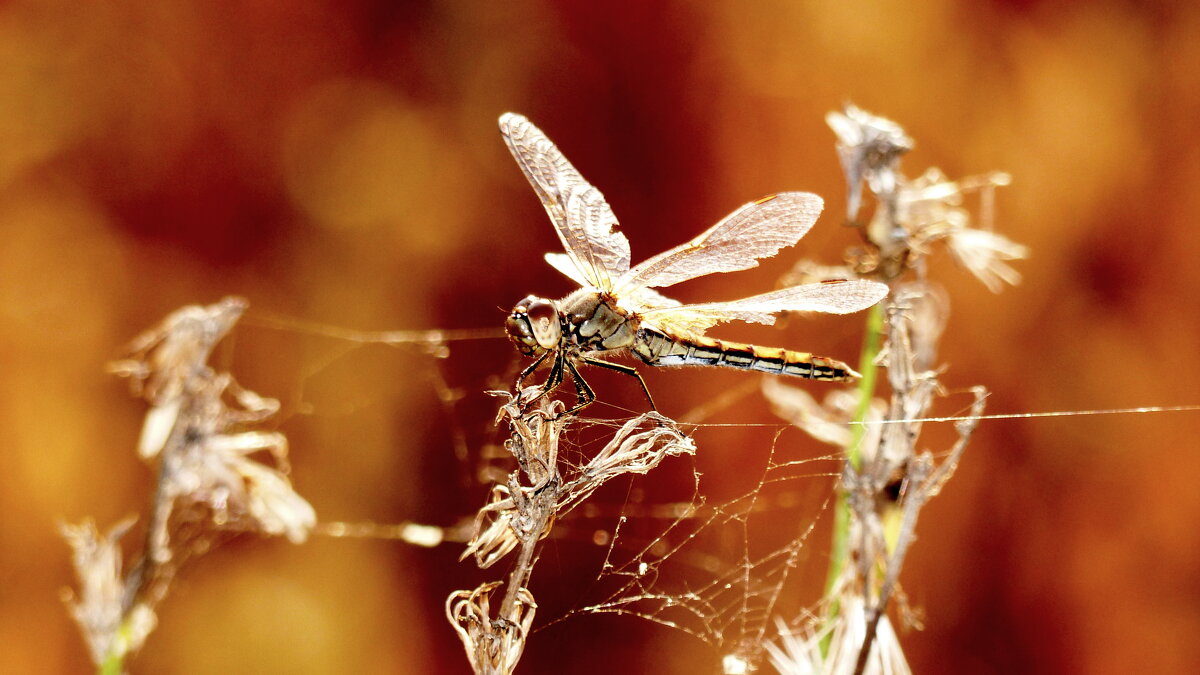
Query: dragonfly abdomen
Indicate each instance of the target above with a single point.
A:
(659, 349)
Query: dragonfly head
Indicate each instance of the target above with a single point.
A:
(534, 325)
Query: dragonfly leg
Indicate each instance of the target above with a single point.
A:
(583, 391)
(529, 371)
(552, 381)
(628, 370)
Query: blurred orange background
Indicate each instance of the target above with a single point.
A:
(338, 163)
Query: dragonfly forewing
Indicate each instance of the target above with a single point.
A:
(582, 217)
(757, 230)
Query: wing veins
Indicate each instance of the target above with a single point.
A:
(757, 230)
(583, 220)
(831, 297)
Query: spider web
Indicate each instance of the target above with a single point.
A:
(718, 569)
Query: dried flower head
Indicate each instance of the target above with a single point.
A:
(986, 254)
(494, 535)
(208, 460)
(640, 445)
(99, 606)
(492, 645)
(164, 359)
(869, 148)
(196, 429)
(828, 422)
(930, 209)
(833, 649)
(912, 214)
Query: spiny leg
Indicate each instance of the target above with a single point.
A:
(583, 392)
(529, 371)
(552, 381)
(628, 370)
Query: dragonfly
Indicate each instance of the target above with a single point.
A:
(616, 308)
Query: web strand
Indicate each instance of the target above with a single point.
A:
(995, 416)
(389, 337)
(1060, 413)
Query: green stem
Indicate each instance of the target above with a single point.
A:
(866, 391)
(114, 662)
(113, 665)
(866, 386)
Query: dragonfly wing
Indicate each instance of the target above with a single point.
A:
(831, 297)
(646, 299)
(640, 300)
(582, 217)
(563, 263)
(757, 230)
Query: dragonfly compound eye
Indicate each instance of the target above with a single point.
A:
(543, 319)
(520, 332)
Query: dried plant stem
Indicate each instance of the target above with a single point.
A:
(197, 438)
(520, 574)
(521, 511)
(546, 505)
(918, 474)
(926, 481)
(144, 576)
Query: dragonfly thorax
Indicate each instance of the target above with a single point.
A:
(593, 322)
(534, 325)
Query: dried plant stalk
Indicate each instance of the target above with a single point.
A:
(522, 511)
(886, 478)
(197, 435)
